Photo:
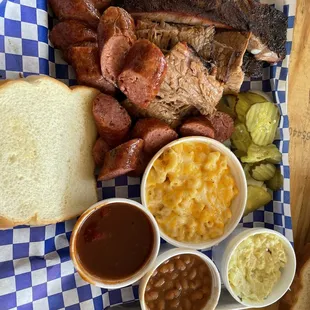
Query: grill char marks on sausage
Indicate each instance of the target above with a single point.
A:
(85, 61)
(267, 24)
(116, 34)
(143, 73)
(121, 160)
(82, 10)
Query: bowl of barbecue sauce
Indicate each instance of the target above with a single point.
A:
(114, 243)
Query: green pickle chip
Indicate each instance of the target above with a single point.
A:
(252, 98)
(258, 153)
(239, 153)
(242, 108)
(245, 100)
(257, 197)
(262, 121)
(276, 182)
(241, 138)
(227, 105)
(249, 179)
(263, 172)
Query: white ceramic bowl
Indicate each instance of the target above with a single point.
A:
(237, 206)
(223, 252)
(166, 254)
(92, 279)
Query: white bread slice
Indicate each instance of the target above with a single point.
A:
(298, 297)
(46, 137)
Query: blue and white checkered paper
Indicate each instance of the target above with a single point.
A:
(35, 268)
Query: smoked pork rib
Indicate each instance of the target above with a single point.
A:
(267, 24)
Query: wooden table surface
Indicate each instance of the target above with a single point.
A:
(299, 118)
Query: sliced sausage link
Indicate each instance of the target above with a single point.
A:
(144, 71)
(116, 35)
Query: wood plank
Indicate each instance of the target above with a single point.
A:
(299, 118)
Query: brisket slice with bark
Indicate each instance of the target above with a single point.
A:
(228, 50)
(166, 35)
(191, 79)
(190, 86)
(251, 66)
(267, 24)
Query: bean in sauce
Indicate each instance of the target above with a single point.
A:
(182, 282)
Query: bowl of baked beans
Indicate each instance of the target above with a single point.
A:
(182, 279)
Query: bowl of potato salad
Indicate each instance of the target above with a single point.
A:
(195, 187)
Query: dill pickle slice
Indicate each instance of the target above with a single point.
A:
(276, 182)
(227, 105)
(240, 138)
(239, 153)
(257, 197)
(249, 179)
(262, 120)
(252, 97)
(263, 172)
(242, 108)
(258, 153)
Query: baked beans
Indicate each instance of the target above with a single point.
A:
(183, 282)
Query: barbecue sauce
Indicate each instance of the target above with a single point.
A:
(115, 241)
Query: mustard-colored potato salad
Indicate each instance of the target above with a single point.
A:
(189, 190)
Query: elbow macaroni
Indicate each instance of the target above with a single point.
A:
(189, 190)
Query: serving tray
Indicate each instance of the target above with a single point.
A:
(35, 267)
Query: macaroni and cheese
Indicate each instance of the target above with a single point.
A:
(189, 190)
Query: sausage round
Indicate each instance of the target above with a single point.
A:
(143, 73)
(83, 10)
(223, 125)
(155, 134)
(116, 34)
(121, 160)
(112, 120)
(71, 32)
(197, 126)
(99, 150)
(85, 61)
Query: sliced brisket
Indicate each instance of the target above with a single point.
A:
(190, 80)
(228, 50)
(251, 66)
(267, 24)
(166, 35)
(190, 85)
